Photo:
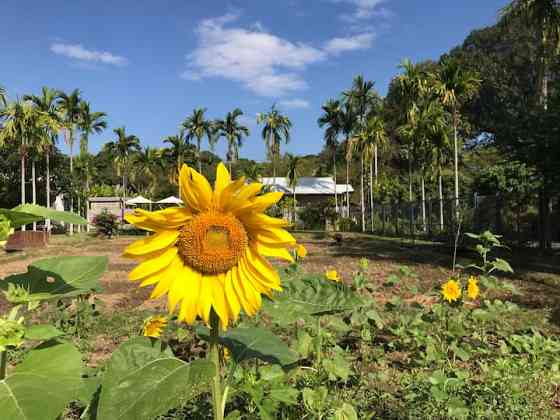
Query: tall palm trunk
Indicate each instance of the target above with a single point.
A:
(33, 189)
(48, 186)
(375, 158)
(347, 178)
(71, 145)
(198, 139)
(371, 192)
(362, 202)
(411, 208)
(295, 203)
(23, 180)
(440, 192)
(456, 163)
(335, 185)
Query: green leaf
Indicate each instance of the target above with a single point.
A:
(18, 219)
(42, 332)
(57, 277)
(254, 343)
(346, 412)
(309, 297)
(40, 387)
(337, 367)
(45, 213)
(144, 380)
(501, 265)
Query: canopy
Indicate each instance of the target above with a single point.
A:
(170, 200)
(138, 200)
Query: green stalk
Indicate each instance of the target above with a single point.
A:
(319, 342)
(214, 357)
(3, 364)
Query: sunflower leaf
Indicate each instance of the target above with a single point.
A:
(254, 343)
(143, 380)
(45, 213)
(57, 277)
(310, 296)
(40, 387)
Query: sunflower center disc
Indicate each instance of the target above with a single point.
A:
(212, 243)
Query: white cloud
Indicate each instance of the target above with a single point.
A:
(351, 43)
(294, 103)
(79, 52)
(264, 63)
(364, 9)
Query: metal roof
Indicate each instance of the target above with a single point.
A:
(307, 185)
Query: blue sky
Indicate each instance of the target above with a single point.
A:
(148, 63)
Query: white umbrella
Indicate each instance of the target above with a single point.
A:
(138, 200)
(170, 200)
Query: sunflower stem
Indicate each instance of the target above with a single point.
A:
(319, 342)
(3, 364)
(214, 355)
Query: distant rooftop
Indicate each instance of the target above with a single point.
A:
(307, 185)
(104, 199)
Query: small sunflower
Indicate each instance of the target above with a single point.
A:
(210, 253)
(472, 288)
(451, 290)
(301, 252)
(332, 275)
(154, 325)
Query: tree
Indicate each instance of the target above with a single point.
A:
(3, 96)
(47, 103)
(69, 106)
(177, 153)
(293, 178)
(122, 150)
(348, 124)
(331, 119)
(542, 17)
(148, 164)
(233, 132)
(89, 123)
(276, 129)
(252, 172)
(455, 86)
(196, 126)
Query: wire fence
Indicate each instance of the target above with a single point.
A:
(439, 220)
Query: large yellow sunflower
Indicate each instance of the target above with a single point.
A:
(210, 253)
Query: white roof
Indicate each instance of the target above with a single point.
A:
(307, 185)
(170, 200)
(138, 200)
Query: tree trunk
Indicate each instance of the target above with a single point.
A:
(295, 204)
(411, 209)
(198, 154)
(71, 145)
(335, 185)
(347, 183)
(33, 190)
(456, 164)
(23, 182)
(371, 192)
(48, 186)
(440, 191)
(375, 158)
(423, 186)
(362, 201)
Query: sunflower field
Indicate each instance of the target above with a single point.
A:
(243, 328)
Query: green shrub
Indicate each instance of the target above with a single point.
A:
(106, 224)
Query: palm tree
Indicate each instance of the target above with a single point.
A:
(358, 144)
(276, 129)
(331, 119)
(361, 97)
(293, 178)
(455, 86)
(22, 122)
(177, 153)
(47, 103)
(233, 133)
(148, 164)
(252, 172)
(196, 126)
(69, 106)
(376, 137)
(90, 123)
(122, 150)
(347, 126)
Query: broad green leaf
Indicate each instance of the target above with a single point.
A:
(40, 387)
(501, 265)
(254, 343)
(45, 213)
(42, 332)
(57, 277)
(310, 296)
(18, 218)
(346, 412)
(144, 380)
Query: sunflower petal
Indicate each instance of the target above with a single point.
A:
(274, 237)
(223, 179)
(195, 190)
(268, 251)
(168, 276)
(153, 264)
(153, 243)
(159, 220)
(219, 300)
(191, 295)
(231, 296)
(206, 298)
(261, 203)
